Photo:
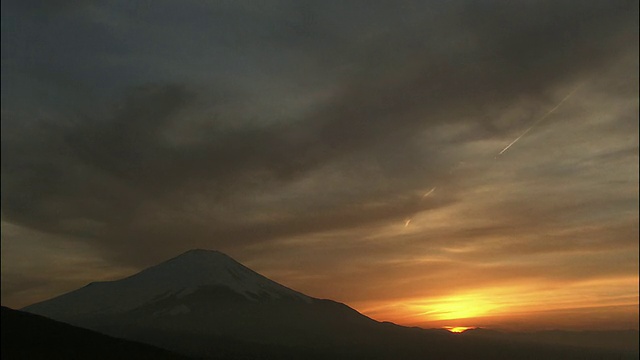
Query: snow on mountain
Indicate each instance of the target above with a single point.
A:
(179, 276)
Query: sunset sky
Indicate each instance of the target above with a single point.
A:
(357, 151)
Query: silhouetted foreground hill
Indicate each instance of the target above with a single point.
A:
(622, 340)
(205, 304)
(27, 336)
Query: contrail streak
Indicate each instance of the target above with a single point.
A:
(429, 192)
(539, 120)
(408, 221)
(516, 140)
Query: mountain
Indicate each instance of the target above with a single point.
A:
(205, 304)
(28, 336)
(200, 295)
(180, 277)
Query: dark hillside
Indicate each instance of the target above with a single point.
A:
(28, 336)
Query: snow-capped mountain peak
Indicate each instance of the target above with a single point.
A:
(180, 276)
(198, 267)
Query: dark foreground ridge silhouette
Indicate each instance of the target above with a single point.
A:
(28, 336)
(204, 304)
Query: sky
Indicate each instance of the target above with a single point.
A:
(430, 163)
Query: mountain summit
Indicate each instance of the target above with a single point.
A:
(197, 268)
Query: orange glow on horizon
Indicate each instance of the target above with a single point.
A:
(454, 307)
(520, 307)
(458, 329)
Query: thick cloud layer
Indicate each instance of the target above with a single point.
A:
(143, 130)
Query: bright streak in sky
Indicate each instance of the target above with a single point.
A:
(408, 221)
(539, 120)
(429, 192)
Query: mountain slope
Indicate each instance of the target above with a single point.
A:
(28, 336)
